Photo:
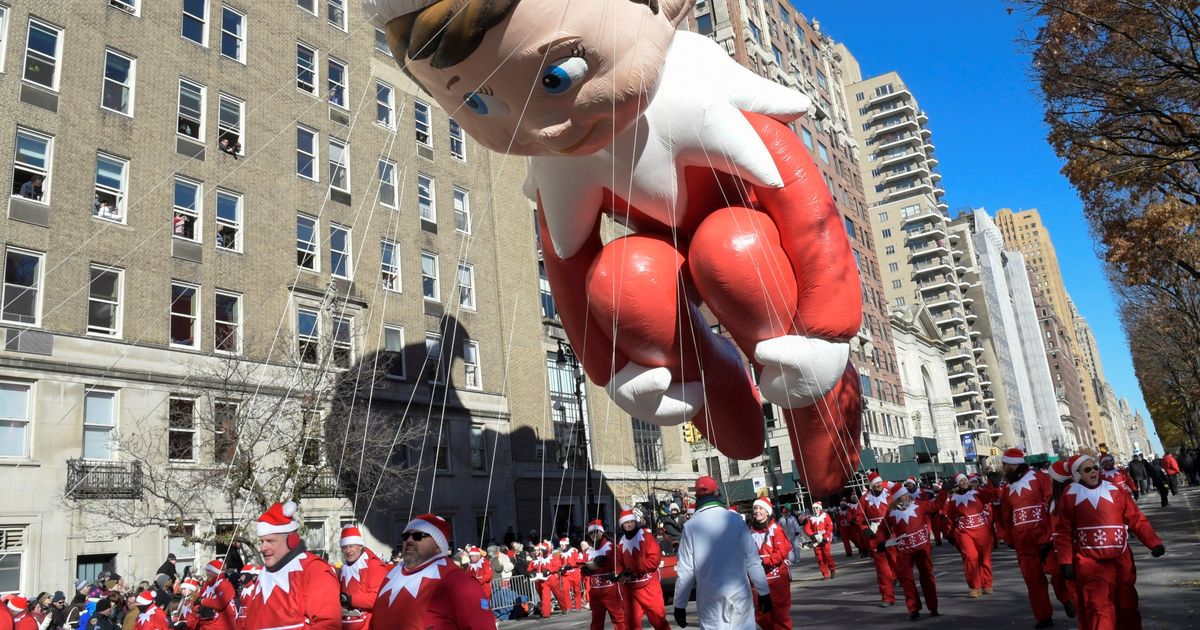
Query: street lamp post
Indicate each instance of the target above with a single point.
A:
(565, 357)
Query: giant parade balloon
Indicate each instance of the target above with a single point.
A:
(621, 114)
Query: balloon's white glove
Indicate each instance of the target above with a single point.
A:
(799, 371)
(648, 394)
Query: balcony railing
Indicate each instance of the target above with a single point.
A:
(89, 479)
(318, 484)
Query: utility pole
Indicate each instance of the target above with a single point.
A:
(565, 357)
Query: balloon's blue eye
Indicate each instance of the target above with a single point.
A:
(562, 75)
(484, 104)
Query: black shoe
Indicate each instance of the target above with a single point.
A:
(1069, 608)
(886, 604)
(913, 616)
(832, 574)
(934, 613)
(1045, 623)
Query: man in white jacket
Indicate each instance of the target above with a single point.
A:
(718, 557)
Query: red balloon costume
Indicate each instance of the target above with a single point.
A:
(968, 514)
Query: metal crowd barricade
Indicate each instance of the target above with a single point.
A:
(508, 592)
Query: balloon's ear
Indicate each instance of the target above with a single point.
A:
(675, 10)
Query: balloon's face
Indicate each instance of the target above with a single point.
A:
(555, 78)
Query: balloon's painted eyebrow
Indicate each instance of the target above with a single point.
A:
(454, 79)
(543, 48)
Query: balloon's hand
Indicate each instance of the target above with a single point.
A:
(648, 394)
(798, 371)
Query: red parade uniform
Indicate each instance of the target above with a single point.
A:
(301, 593)
(153, 619)
(822, 525)
(434, 596)
(909, 529)
(545, 576)
(572, 579)
(847, 528)
(872, 511)
(1091, 534)
(636, 561)
(774, 547)
(1120, 478)
(24, 621)
(244, 598)
(361, 582)
(189, 614)
(1025, 523)
(218, 594)
(603, 593)
(6, 622)
(481, 570)
(968, 515)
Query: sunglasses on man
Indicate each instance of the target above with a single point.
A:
(414, 536)
(1088, 469)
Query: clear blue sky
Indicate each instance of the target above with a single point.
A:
(963, 64)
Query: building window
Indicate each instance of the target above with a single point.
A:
(896, 284)
(393, 345)
(112, 185)
(426, 206)
(225, 431)
(130, 7)
(308, 336)
(458, 141)
(821, 80)
(429, 277)
(14, 429)
(471, 364)
(227, 322)
(308, 251)
(306, 69)
(43, 51)
(306, 153)
(389, 266)
(230, 115)
(893, 267)
(565, 411)
(648, 446)
(22, 298)
(704, 24)
(229, 221)
(755, 33)
(31, 165)
(466, 286)
(339, 165)
(181, 541)
(99, 420)
(734, 469)
(889, 250)
(337, 83)
(181, 430)
(195, 21)
(823, 152)
(421, 116)
(436, 363)
(886, 233)
(186, 222)
(778, 54)
(104, 301)
(191, 109)
(381, 43)
(549, 311)
(478, 449)
(117, 93)
(462, 211)
(387, 183)
(343, 341)
(337, 13)
(308, 5)
(185, 304)
(441, 463)
(340, 264)
(233, 34)
(385, 105)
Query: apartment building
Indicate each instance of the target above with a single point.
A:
(778, 42)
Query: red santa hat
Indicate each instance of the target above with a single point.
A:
(1107, 457)
(189, 584)
(215, 567)
(278, 519)
(874, 478)
(596, 525)
(1014, 456)
(764, 503)
(818, 504)
(17, 604)
(380, 12)
(912, 480)
(564, 541)
(351, 536)
(626, 516)
(435, 526)
(733, 508)
(474, 551)
(145, 598)
(1060, 472)
(959, 477)
(1076, 462)
(902, 492)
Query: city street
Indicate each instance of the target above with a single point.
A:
(1167, 586)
